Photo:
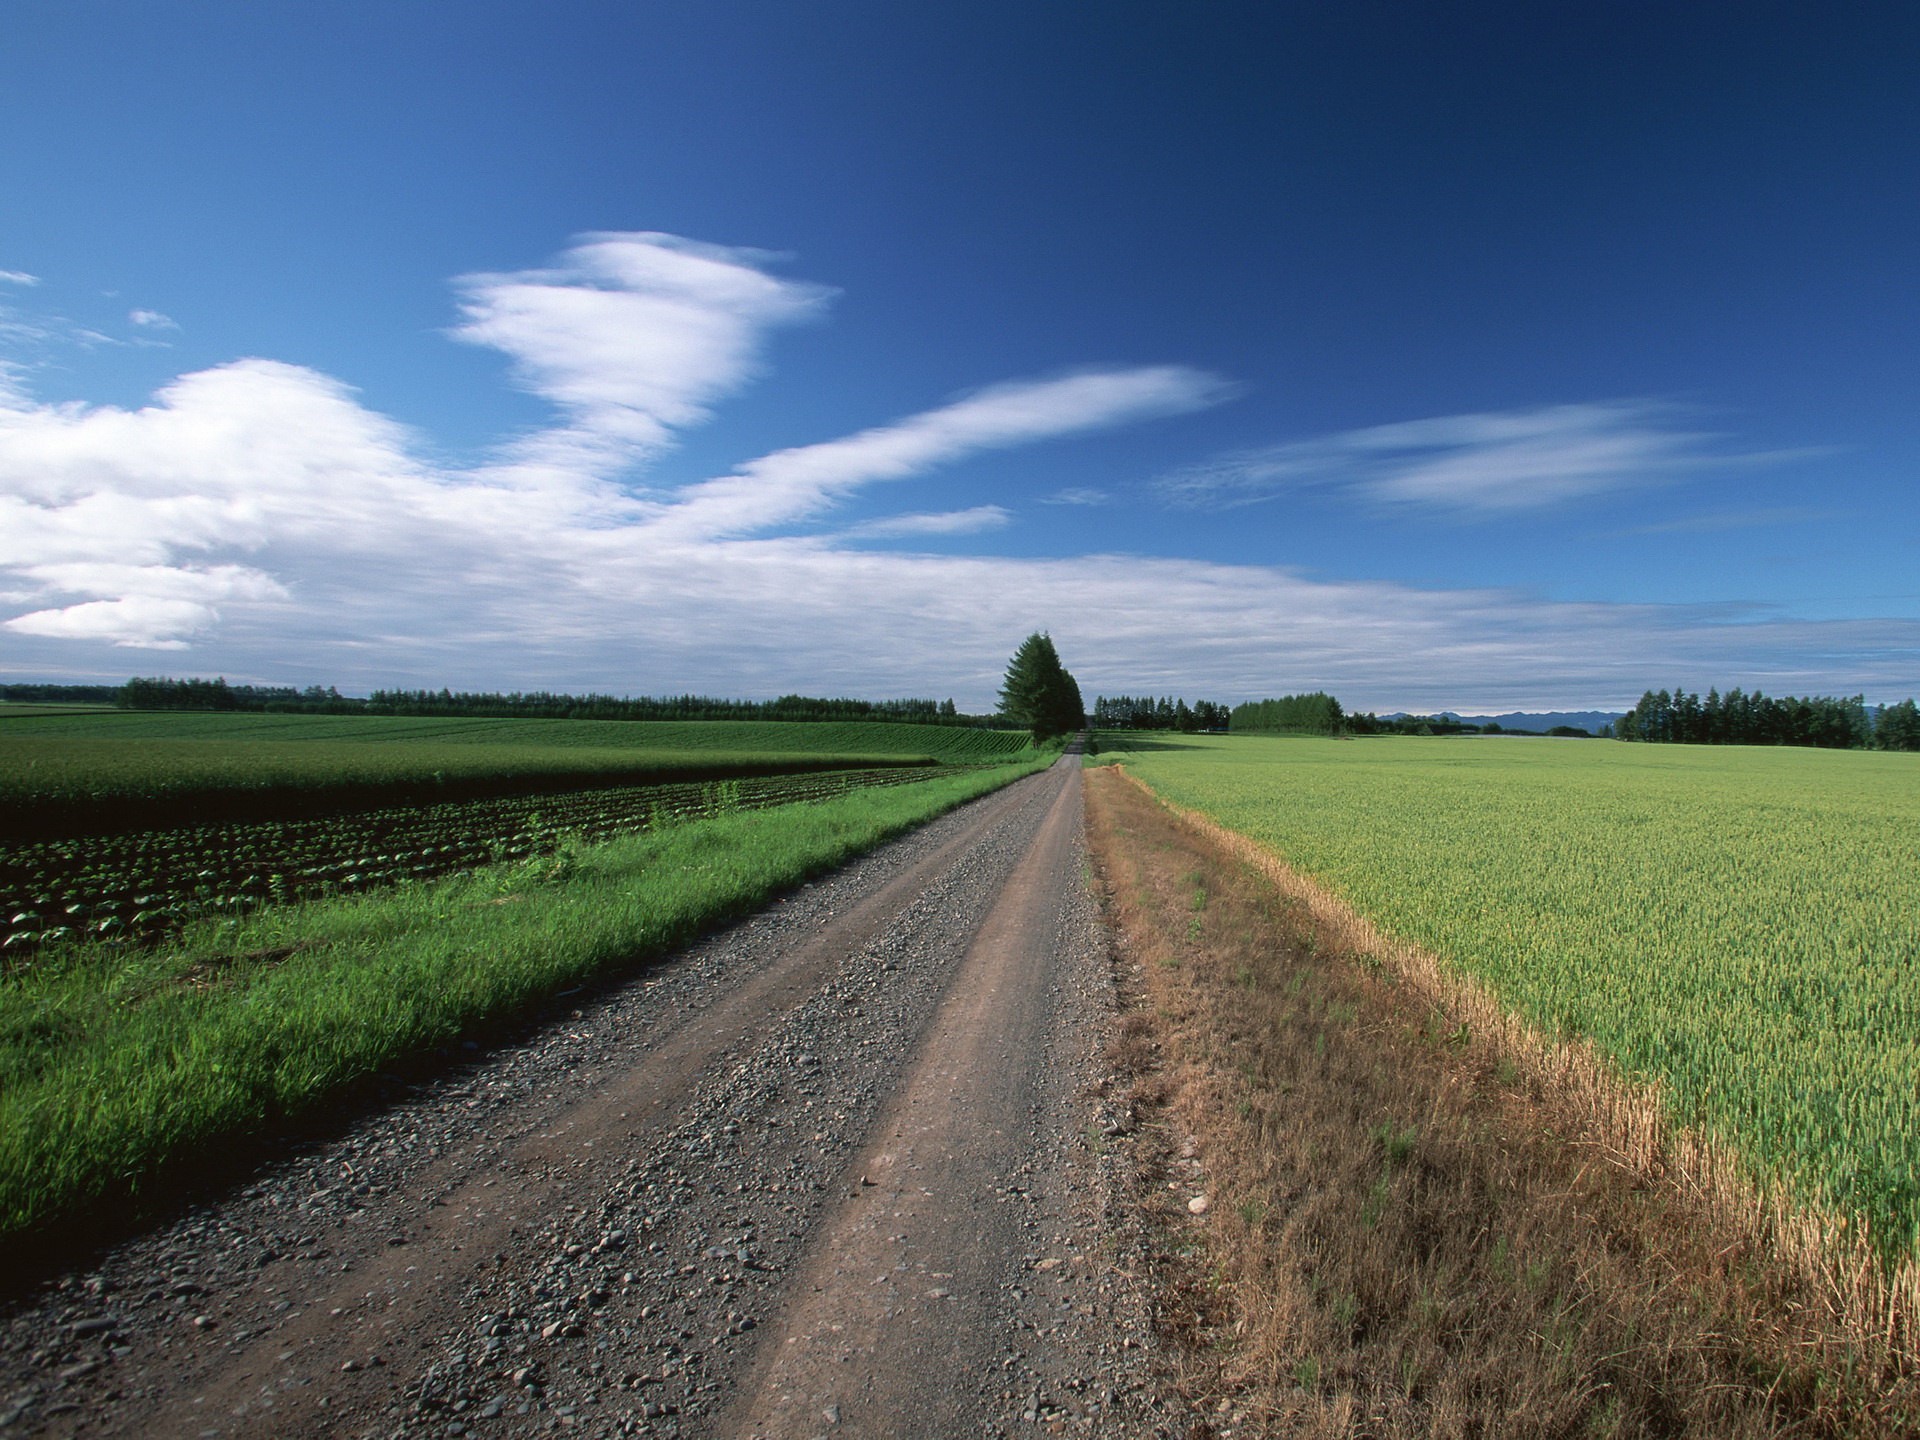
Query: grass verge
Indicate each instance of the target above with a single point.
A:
(116, 1070)
(1404, 1233)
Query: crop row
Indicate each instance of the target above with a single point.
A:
(143, 886)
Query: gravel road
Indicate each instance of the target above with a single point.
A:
(837, 1170)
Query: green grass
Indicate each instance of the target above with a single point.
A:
(115, 770)
(117, 1067)
(1739, 926)
(863, 737)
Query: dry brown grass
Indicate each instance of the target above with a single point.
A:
(1415, 1226)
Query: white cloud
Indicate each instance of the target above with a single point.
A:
(259, 498)
(1480, 464)
(261, 521)
(632, 337)
(790, 485)
(154, 606)
(951, 522)
(135, 622)
(18, 277)
(151, 320)
(1076, 495)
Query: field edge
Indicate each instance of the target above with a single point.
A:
(1879, 1306)
(1262, 1314)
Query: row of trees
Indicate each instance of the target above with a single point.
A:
(547, 706)
(1315, 714)
(1039, 694)
(1741, 718)
(1367, 723)
(156, 693)
(1144, 712)
(197, 694)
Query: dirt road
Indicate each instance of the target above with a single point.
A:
(834, 1171)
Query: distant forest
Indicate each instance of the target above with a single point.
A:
(1144, 712)
(195, 694)
(1739, 718)
(1315, 714)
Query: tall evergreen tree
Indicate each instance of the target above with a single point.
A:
(1039, 693)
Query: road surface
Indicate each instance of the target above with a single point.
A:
(835, 1171)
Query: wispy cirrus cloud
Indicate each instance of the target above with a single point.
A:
(949, 522)
(1077, 495)
(44, 332)
(1485, 464)
(790, 485)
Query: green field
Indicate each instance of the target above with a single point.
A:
(124, 826)
(1739, 926)
(22, 710)
(867, 737)
(83, 771)
(120, 1064)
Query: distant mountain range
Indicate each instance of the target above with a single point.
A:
(1588, 720)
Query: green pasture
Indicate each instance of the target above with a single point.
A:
(1740, 926)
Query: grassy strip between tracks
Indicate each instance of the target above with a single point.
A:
(118, 1068)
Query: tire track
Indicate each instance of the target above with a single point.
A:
(601, 1226)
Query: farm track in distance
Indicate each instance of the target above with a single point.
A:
(144, 885)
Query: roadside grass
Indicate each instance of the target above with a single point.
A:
(118, 1069)
(1406, 1234)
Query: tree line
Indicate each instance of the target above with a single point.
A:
(1743, 718)
(1315, 714)
(1145, 712)
(161, 693)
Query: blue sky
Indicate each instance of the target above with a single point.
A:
(1477, 356)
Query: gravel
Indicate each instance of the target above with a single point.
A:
(536, 1240)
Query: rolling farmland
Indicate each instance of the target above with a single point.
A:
(146, 884)
(83, 773)
(276, 982)
(124, 825)
(1739, 927)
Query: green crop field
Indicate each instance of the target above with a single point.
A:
(84, 772)
(125, 825)
(864, 737)
(1739, 926)
(144, 885)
